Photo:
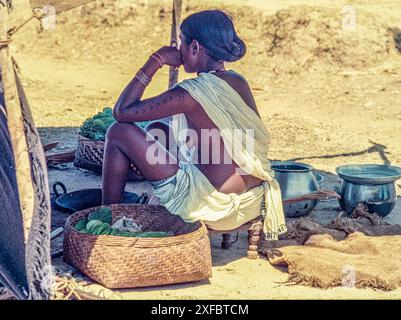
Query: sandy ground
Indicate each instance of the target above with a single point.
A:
(344, 107)
(234, 276)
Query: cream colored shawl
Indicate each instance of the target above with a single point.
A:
(231, 114)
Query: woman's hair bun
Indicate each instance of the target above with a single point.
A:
(214, 30)
(238, 48)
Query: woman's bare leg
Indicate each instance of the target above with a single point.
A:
(156, 127)
(127, 142)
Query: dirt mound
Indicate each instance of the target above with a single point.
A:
(304, 37)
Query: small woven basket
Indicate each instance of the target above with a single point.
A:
(89, 156)
(124, 262)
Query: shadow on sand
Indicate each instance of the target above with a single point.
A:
(375, 148)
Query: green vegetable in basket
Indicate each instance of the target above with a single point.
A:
(103, 214)
(86, 129)
(95, 128)
(99, 223)
(107, 232)
(81, 225)
(97, 227)
(99, 126)
(87, 125)
(108, 121)
(108, 111)
(93, 225)
(101, 229)
(99, 116)
(99, 136)
(113, 232)
(91, 135)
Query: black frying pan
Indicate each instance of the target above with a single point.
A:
(88, 198)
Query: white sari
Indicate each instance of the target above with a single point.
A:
(193, 197)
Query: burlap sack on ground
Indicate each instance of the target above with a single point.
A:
(359, 261)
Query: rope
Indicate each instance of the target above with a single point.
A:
(5, 42)
(37, 13)
(15, 29)
(65, 289)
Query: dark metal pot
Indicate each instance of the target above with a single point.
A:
(372, 185)
(88, 198)
(295, 181)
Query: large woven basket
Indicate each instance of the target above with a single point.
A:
(89, 156)
(123, 262)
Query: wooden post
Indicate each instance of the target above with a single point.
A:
(175, 30)
(174, 41)
(16, 127)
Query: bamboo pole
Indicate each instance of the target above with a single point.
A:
(175, 31)
(16, 127)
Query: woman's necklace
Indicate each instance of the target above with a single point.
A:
(218, 70)
(213, 71)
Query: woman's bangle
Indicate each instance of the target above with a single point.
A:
(143, 78)
(159, 59)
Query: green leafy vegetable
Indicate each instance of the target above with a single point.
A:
(108, 110)
(103, 214)
(101, 229)
(93, 225)
(81, 224)
(99, 223)
(95, 128)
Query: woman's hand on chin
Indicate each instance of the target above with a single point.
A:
(171, 56)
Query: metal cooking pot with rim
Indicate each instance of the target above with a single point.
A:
(370, 184)
(296, 180)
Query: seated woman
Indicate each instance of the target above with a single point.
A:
(216, 176)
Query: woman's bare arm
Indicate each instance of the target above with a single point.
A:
(130, 108)
(169, 103)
